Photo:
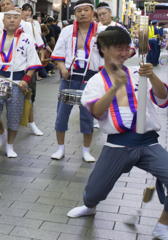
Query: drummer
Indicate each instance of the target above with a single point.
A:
(79, 39)
(111, 97)
(38, 43)
(26, 62)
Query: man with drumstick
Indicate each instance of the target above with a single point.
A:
(77, 40)
(111, 97)
(26, 61)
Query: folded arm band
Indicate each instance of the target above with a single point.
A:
(26, 78)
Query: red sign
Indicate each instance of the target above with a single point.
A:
(159, 14)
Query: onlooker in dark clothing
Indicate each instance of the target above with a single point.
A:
(47, 66)
(57, 29)
(51, 36)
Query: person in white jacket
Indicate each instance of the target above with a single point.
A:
(111, 97)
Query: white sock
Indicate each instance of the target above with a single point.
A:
(35, 129)
(9, 151)
(81, 211)
(86, 155)
(59, 154)
(3, 137)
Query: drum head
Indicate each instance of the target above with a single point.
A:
(72, 91)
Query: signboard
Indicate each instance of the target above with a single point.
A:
(126, 8)
(131, 12)
(159, 14)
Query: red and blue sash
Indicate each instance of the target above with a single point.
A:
(114, 109)
(7, 58)
(91, 32)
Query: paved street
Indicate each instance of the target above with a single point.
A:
(37, 192)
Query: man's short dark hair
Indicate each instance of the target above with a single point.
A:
(35, 17)
(55, 18)
(27, 6)
(83, 1)
(112, 36)
(102, 4)
(50, 19)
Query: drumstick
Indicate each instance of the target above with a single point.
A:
(72, 62)
(9, 80)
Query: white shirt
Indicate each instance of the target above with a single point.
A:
(95, 89)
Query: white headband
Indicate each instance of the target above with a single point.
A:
(84, 4)
(104, 7)
(3, 0)
(12, 13)
(18, 8)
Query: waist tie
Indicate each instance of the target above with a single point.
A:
(132, 139)
(16, 75)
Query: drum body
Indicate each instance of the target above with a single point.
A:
(5, 92)
(70, 96)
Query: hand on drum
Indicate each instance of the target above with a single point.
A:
(146, 70)
(65, 74)
(23, 85)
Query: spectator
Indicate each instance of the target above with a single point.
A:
(95, 17)
(51, 36)
(47, 66)
(39, 20)
(57, 29)
(65, 23)
(36, 23)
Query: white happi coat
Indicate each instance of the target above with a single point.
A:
(63, 50)
(24, 54)
(95, 89)
(35, 35)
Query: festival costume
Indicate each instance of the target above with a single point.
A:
(65, 50)
(124, 148)
(25, 58)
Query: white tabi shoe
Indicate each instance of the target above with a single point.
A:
(9, 151)
(3, 138)
(35, 129)
(161, 232)
(81, 211)
(87, 157)
(60, 153)
(97, 126)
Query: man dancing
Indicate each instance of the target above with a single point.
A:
(25, 61)
(77, 39)
(110, 97)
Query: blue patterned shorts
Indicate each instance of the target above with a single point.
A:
(14, 108)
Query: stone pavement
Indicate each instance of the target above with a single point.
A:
(37, 192)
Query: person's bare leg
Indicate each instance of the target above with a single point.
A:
(59, 154)
(11, 136)
(1, 128)
(32, 124)
(163, 218)
(86, 148)
(9, 145)
(3, 134)
(87, 139)
(60, 137)
(161, 228)
(31, 116)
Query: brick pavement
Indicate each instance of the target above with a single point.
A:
(38, 192)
